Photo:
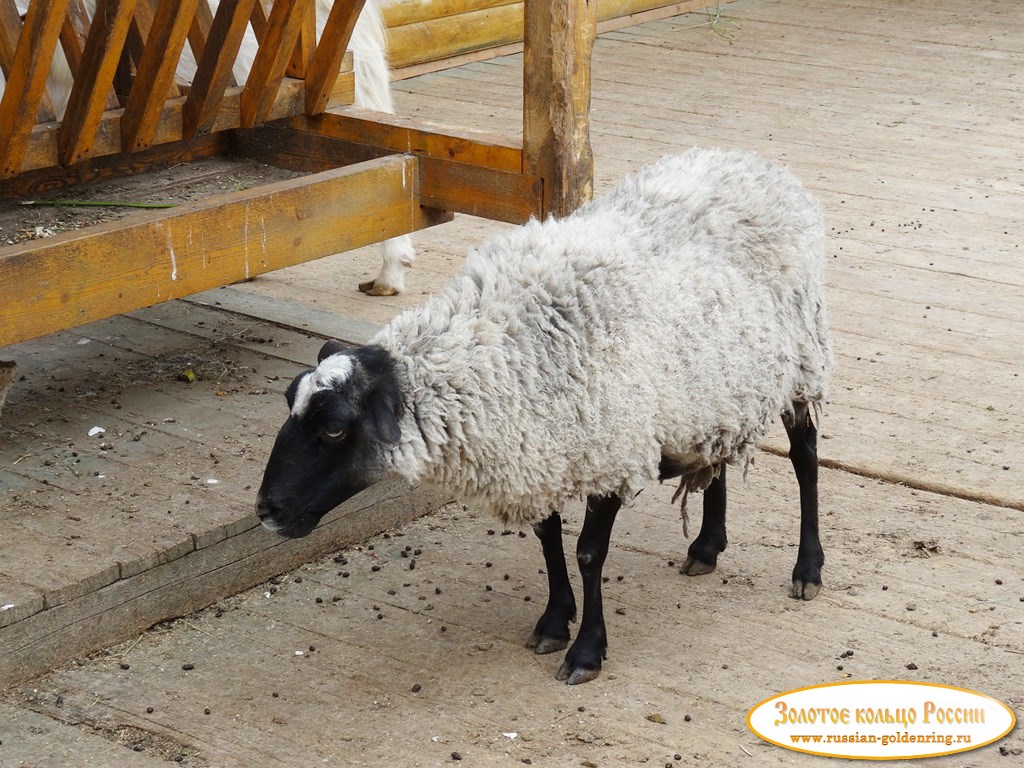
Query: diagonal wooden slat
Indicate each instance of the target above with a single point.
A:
(214, 72)
(199, 30)
(283, 27)
(25, 90)
(72, 40)
(138, 33)
(103, 48)
(305, 46)
(155, 72)
(326, 63)
(259, 20)
(10, 29)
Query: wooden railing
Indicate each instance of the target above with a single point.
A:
(126, 113)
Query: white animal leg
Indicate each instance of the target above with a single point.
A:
(398, 254)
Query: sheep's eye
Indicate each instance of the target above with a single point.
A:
(333, 437)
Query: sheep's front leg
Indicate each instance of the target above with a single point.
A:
(803, 453)
(583, 661)
(552, 631)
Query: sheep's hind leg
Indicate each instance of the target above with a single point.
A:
(583, 661)
(702, 556)
(552, 631)
(803, 452)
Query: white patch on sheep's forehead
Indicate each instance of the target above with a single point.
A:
(332, 371)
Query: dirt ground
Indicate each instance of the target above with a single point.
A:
(408, 648)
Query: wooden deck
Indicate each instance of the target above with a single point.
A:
(903, 120)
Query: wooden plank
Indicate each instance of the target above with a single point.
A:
(326, 61)
(103, 47)
(400, 12)
(214, 69)
(43, 146)
(155, 73)
(289, 314)
(25, 91)
(556, 101)
(74, 278)
(268, 69)
(243, 557)
(420, 137)
(496, 195)
(451, 31)
(448, 36)
(303, 151)
(449, 181)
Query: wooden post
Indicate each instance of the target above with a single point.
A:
(558, 42)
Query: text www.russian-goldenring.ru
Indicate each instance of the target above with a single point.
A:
(885, 740)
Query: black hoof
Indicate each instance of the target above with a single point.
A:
(702, 556)
(803, 590)
(806, 580)
(582, 663)
(694, 567)
(542, 645)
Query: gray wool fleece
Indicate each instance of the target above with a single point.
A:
(677, 315)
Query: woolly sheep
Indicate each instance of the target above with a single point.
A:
(373, 91)
(653, 333)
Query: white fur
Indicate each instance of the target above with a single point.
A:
(677, 316)
(331, 371)
(373, 91)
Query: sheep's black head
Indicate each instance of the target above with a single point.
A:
(344, 415)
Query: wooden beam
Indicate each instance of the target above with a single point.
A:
(214, 67)
(447, 36)
(559, 40)
(155, 73)
(402, 134)
(326, 62)
(276, 46)
(74, 278)
(400, 12)
(88, 98)
(25, 90)
(42, 151)
(485, 192)
(445, 183)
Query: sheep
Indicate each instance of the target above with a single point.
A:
(653, 333)
(373, 91)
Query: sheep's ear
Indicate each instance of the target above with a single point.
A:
(331, 347)
(383, 415)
